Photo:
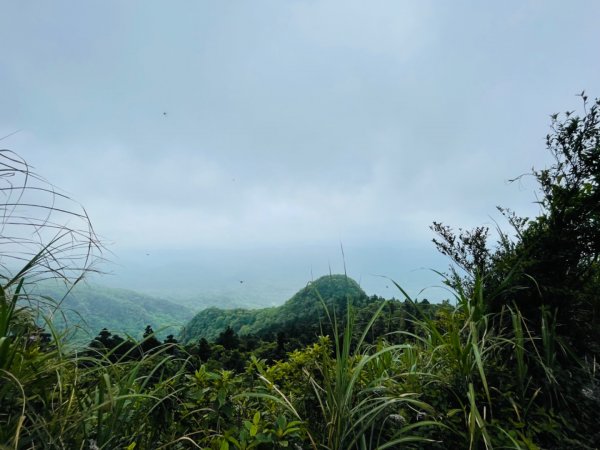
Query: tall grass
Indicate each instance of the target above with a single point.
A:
(51, 397)
(459, 351)
(504, 378)
(356, 391)
(43, 234)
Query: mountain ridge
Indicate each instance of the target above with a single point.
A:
(88, 308)
(305, 308)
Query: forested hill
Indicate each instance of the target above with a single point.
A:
(302, 313)
(89, 308)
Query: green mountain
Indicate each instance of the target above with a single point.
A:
(87, 309)
(301, 314)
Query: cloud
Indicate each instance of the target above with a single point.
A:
(289, 122)
(381, 27)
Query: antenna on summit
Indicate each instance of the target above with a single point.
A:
(343, 259)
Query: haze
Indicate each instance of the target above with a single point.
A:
(239, 145)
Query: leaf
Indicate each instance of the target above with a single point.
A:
(281, 422)
(453, 412)
(221, 397)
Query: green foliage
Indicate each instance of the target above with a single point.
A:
(228, 339)
(354, 405)
(553, 262)
(301, 316)
(85, 309)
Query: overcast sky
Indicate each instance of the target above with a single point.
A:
(229, 125)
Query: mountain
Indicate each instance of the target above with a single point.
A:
(304, 312)
(86, 309)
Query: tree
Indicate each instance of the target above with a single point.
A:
(560, 249)
(103, 341)
(553, 263)
(171, 340)
(150, 341)
(228, 339)
(204, 350)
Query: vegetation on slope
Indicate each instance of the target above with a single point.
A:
(86, 309)
(304, 311)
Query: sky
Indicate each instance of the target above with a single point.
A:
(218, 142)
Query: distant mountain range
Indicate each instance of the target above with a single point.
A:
(87, 309)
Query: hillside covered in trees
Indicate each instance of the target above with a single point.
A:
(510, 362)
(303, 312)
(86, 309)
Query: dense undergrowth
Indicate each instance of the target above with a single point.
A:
(511, 364)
